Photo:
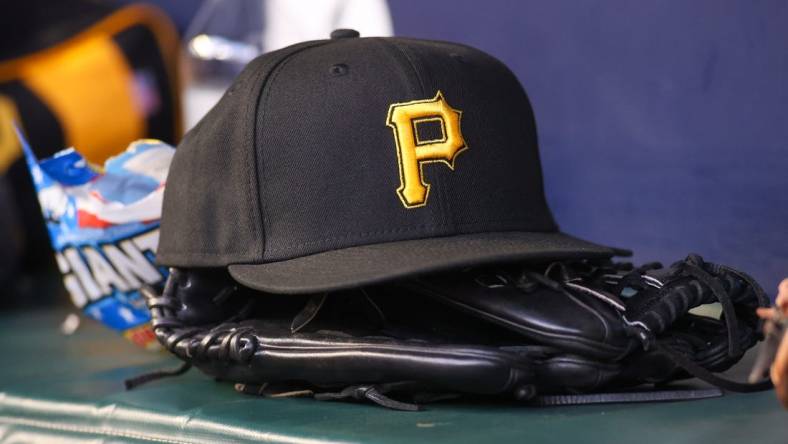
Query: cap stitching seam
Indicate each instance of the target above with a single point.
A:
(265, 91)
(399, 230)
(410, 63)
(251, 180)
(407, 229)
(578, 248)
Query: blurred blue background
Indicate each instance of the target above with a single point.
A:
(663, 125)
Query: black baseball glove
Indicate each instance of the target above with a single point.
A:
(559, 333)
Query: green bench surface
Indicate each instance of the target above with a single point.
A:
(56, 388)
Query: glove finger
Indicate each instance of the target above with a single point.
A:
(565, 319)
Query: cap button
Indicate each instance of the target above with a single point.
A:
(344, 34)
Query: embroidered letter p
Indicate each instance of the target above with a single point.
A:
(412, 152)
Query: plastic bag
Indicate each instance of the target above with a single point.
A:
(104, 228)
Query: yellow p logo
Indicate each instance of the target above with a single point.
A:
(412, 152)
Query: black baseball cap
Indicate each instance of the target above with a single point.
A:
(351, 161)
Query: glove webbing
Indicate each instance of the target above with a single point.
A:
(696, 268)
(660, 306)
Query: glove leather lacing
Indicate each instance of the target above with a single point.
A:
(238, 345)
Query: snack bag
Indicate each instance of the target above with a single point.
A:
(104, 228)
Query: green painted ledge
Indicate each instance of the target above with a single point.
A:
(56, 388)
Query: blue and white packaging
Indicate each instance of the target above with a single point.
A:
(104, 228)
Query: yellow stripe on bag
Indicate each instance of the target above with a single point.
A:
(89, 87)
(106, 118)
(10, 150)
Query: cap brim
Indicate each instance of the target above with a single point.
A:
(371, 264)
